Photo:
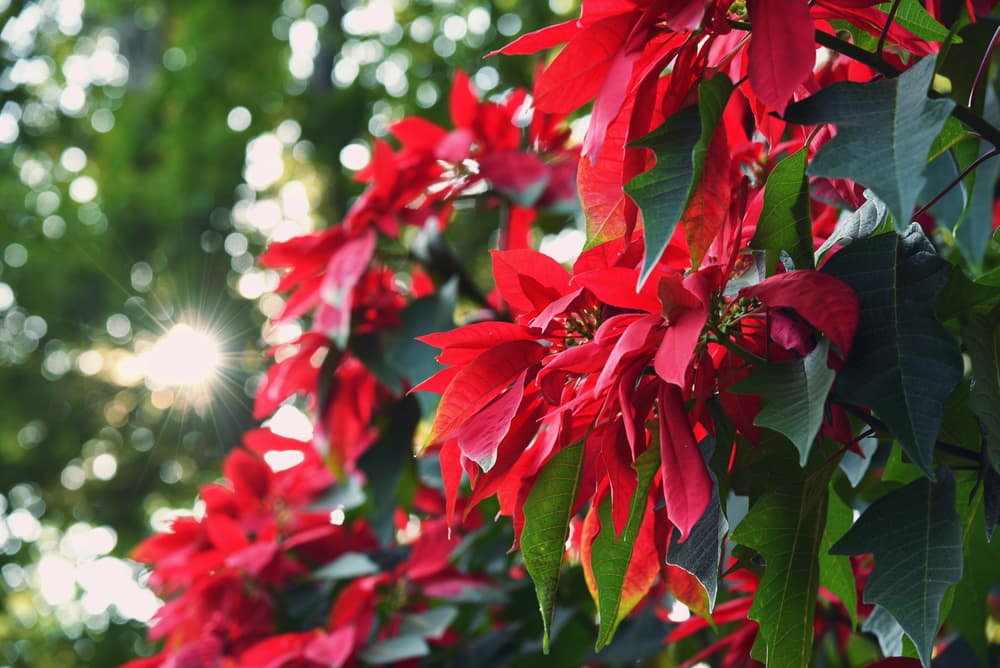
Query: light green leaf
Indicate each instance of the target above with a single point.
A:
(610, 558)
(785, 221)
(786, 527)
(345, 567)
(795, 393)
(680, 146)
(859, 224)
(885, 130)
(911, 15)
(916, 539)
(951, 134)
(395, 649)
(903, 363)
(972, 234)
(886, 630)
(547, 513)
(835, 572)
(430, 623)
(979, 574)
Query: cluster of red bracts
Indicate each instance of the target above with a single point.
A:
(592, 356)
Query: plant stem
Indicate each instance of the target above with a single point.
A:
(983, 65)
(958, 179)
(734, 347)
(885, 28)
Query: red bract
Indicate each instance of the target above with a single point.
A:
(599, 359)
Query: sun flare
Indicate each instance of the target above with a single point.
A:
(182, 357)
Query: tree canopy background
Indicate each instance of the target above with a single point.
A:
(148, 151)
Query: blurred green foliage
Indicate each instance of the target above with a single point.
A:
(130, 200)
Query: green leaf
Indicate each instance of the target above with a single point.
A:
(786, 527)
(395, 649)
(680, 146)
(885, 130)
(854, 465)
(886, 630)
(982, 340)
(904, 363)
(951, 134)
(395, 356)
(345, 567)
(547, 513)
(795, 392)
(610, 558)
(979, 575)
(785, 221)
(700, 553)
(941, 173)
(911, 15)
(430, 623)
(916, 539)
(835, 572)
(859, 224)
(975, 226)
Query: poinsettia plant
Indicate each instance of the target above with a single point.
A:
(755, 420)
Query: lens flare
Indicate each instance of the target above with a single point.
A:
(182, 357)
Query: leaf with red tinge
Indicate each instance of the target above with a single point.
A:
(709, 204)
(479, 382)
(622, 570)
(826, 302)
(782, 49)
(687, 485)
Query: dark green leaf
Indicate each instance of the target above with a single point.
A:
(680, 146)
(982, 340)
(903, 364)
(547, 513)
(786, 527)
(991, 500)
(395, 356)
(387, 461)
(610, 558)
(916, 539)
(795, 393)
(884, 133)
(785, 221)
(700, 553)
